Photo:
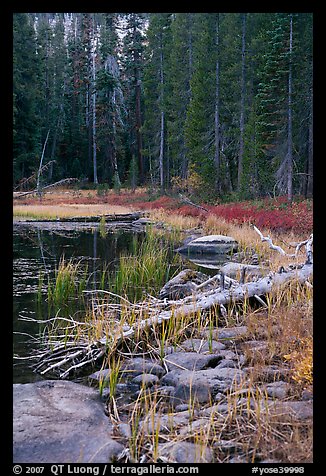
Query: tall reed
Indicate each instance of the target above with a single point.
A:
(68, 283)
(146, 270)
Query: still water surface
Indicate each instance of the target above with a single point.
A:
(37, 249)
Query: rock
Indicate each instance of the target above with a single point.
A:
(61, 422)
(182, 284)
(146, 380)
(237, 459)
(185, 452)
(218, 244)
(182, 407)
(202, 345)
(202, 385)
(226, 363)
(100, 376)
(290, 410)
(208, 260)
(307, 394)
(196, 426)
(191, 361)
(228, 333)
(277, 389)
(165, 391)
(233, 270)
(124, 429)
(267, 373)
(138, 365)
(166, 422)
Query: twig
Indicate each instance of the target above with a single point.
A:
(189, 202)
(298, 246)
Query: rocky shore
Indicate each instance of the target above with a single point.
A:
(195, 386)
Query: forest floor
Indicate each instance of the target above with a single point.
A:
(276, 343)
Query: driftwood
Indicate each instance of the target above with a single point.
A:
(73, 355)
(308, 243)
(189, 202)
(56, 184)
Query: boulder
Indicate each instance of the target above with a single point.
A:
(61, 422)
(202, 345)
(100, 376)
(297, 410)
(165, 423)
(185, 452)
(191, 361)
(182, 284)
(277, 389)
(138, 365)
(201, 385)
(146, 380)
(227, 333)
(217, 244)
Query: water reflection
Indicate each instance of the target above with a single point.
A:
(37, 250)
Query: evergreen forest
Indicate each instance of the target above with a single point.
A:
(216, 103)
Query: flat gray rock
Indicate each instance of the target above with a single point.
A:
(297, 410)
(138, 365)
(202, 345)
(227, 333)
(277, 389)
(191, 361)
(146, 380)
(202, 385)
(185, 452)
(60, 422)
(210, 244)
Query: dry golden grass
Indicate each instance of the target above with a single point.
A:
(244, 234)
(66, 210)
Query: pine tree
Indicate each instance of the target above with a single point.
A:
(178, 75)
(133, 61)
(26, 70)
(155, 89)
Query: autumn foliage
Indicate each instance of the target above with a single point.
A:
(275, 214)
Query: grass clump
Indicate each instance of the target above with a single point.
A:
(69, 283)
(147, 269)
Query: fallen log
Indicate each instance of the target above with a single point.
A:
(40, 192)
(205, 301)
(227, 291)
(163, 310)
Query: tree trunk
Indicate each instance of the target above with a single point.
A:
(242, 108)
(41, 161)
(290, 139)
(161, 157)
(94, 107)
(217, 111)
(138, 129)
(310, 153)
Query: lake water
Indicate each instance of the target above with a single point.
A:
(37, 249)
